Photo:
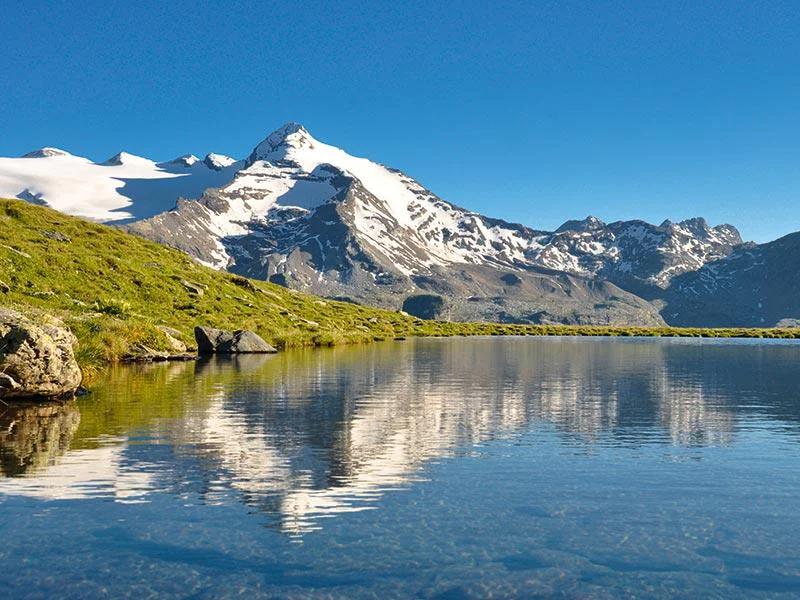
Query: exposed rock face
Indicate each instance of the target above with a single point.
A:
(36, 357)
(193, 288)
(219, 341)
(56, 236)
(755, 286)
(246, 341)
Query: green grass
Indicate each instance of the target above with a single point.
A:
(113, 289)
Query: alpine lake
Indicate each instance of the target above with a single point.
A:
(429, 468)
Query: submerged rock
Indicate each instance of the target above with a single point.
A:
(220, 341)
(36, 357)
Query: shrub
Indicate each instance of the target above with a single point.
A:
(114, 308)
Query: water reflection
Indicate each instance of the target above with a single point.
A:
(310, 434)
(32, 436)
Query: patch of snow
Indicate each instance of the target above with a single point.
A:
(124, 187)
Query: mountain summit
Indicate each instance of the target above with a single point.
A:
(290, 138)
(46, 153)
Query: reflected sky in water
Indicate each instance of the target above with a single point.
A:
(458, 468)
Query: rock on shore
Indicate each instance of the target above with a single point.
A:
(220, 341)
(36, 357)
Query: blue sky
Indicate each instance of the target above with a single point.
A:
(535, 112)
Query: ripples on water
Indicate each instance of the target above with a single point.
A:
(431, 468)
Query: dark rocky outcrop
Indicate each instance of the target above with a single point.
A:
(209, 339)
(510, 279)
(424, 306)
(220, 341)
(36, 357)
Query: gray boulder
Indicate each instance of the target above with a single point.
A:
(173, 337)
(209, 339)
(36, 357)
(246, 341)
(194, 289)
(220, 341)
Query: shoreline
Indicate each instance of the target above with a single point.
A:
(490, 330)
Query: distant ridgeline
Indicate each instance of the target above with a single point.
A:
(311, 217)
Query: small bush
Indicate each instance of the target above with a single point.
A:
(114, 308)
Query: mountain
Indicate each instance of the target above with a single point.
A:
(310, 216)
(756, 285)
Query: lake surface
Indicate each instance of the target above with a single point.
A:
(457, 468)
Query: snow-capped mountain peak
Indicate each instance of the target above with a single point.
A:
(125, 186)
(218, 161)
(283, 141)
(47, 152)
(186, 160)
(590, 223)
(293, 146)
(126, 158)
(290, 176)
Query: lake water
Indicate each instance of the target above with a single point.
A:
(458, 468)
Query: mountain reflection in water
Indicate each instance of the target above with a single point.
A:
(307, 434)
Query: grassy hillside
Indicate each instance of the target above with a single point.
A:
(113, 289)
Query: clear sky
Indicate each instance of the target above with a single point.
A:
(533, 111)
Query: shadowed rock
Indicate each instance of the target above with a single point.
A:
(211, 341)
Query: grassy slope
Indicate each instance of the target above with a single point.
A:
(113, 288)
